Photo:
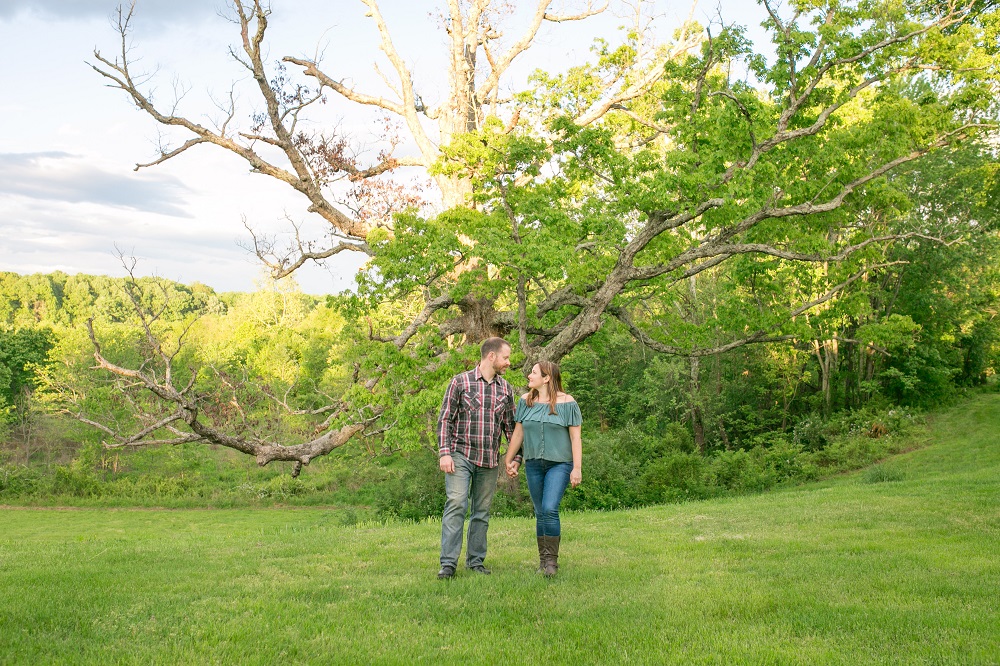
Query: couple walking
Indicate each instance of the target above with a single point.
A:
(478, 407)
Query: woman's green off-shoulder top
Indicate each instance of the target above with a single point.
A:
(546, 435)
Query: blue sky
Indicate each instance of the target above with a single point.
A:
(69, 196)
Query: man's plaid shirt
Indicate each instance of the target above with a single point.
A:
(474, 413)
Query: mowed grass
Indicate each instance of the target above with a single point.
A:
(896, 566)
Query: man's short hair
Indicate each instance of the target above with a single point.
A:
(492, 346)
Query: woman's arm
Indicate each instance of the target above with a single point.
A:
(576, 441)
(512, 448)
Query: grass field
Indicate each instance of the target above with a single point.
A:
(894, 565)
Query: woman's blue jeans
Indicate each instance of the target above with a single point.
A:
(547, 481)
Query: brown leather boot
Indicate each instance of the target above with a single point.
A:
(551, 564)
(543, 553)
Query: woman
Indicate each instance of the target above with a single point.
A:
(547, 423)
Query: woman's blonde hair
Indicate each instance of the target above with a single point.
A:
(550, 370)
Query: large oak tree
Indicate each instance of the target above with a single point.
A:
(590, 194)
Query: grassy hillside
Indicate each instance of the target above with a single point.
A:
(895, 565)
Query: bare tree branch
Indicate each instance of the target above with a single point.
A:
(590, 11)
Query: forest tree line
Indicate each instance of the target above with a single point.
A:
(909, 339)
(740, 253)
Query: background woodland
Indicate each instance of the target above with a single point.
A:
(755, 262)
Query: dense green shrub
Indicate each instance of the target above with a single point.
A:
(624, 468)
(21, 481)
(608, 477)
(673, 477)
(75, 481)
(414, 491)
(631, 467)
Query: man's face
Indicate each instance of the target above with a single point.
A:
(500, 360)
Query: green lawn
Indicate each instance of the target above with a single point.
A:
(840, 572)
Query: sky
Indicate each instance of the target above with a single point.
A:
(70, 198)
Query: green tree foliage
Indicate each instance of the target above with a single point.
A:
(710, 213)
(705, 200)
(58, 299)
(22, 352)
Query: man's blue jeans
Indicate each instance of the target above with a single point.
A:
(467, 483)
(547, 481)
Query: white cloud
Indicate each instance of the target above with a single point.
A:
(60, 176)
(70, 10)
(41, 236)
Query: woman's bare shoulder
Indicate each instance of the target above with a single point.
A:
(524, 396)
(565, 397)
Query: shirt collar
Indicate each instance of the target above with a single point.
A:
(477, 375)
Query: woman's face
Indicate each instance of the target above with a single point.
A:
(535, 378)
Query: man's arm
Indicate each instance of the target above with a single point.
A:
(512, 461)
(446, 426)
(508, 426)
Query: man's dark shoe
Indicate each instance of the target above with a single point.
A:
(479, 568)
(446, 572)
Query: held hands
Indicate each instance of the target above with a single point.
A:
(575, 477)
(512, 467)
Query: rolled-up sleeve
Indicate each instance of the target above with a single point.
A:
(446, 426)
(508, 417)
(508, 427)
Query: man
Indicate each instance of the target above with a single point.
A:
(478, 407)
